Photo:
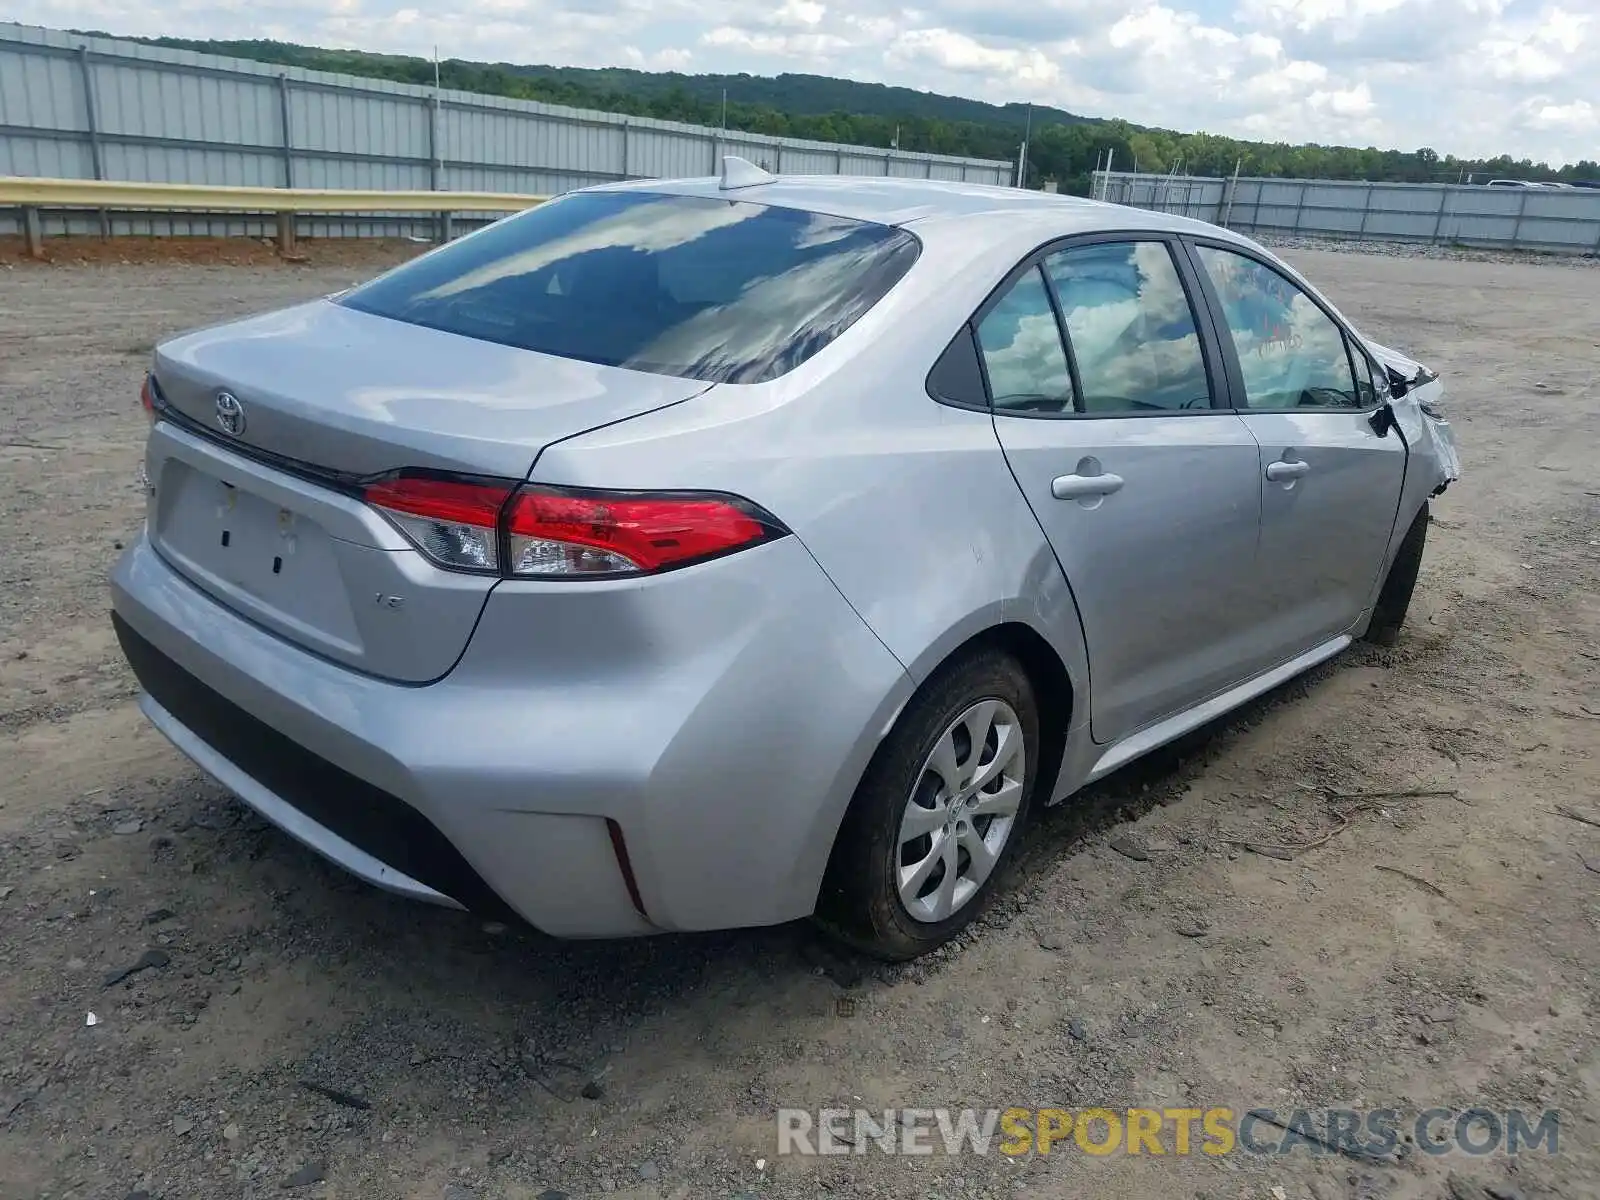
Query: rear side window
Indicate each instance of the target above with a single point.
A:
(1022, 353)
(1131, 328)
(719, 290)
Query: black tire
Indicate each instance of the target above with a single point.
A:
(860, 901)
(1389, 614)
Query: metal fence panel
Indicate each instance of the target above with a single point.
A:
(864, 162)
(39, 93)
(51, 158)
(660, 153)
(810, 162)
(1487, 229)
(1555, 220)
(80, 107)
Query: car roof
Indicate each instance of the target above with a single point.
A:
(896, 201)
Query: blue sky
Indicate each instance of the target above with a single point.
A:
(1462, 76)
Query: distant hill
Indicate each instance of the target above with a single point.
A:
(1064, 148)
(803, 95)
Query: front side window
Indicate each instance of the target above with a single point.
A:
(1020, 343)
(1291, 353)
(721, 290)
(1366, 387)
(1130, 326)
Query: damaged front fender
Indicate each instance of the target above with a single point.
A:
(1416, 398)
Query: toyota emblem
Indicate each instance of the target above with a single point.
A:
(230, 414)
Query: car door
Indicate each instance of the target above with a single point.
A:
(1102, 390)
(1330, 474)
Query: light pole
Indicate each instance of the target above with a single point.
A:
(1022, 158)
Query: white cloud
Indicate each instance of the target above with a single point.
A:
(1462, 76)
(668, 58)
(805, 46)
(804, 13)
(1579, 116)
(946, 50)
(1538, 51)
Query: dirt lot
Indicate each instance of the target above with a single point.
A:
(1441, 950)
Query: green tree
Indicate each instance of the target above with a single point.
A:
(1064, 147)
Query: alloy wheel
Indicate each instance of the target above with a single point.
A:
(961, 811)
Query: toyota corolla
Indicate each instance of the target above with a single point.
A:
(681, 555)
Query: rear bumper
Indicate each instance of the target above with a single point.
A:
(373, 834)
(717, 718)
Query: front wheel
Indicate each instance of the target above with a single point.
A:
(1389, 613)
(938, 813)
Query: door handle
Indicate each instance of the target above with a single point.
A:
(1281, 470)
(1076, 487)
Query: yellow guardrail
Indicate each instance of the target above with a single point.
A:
(33, 194)
(88, 193)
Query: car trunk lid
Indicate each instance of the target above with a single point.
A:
(356, 394)
(271, 425)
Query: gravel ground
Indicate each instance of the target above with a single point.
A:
(1439, 950)
(1445, 251)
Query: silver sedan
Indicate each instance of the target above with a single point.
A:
(706, 553)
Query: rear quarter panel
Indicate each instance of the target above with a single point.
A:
(907, 505)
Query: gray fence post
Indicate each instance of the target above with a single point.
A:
(625, 130)
(1225, 212)
(1366, 211)
(286, 234)
(838, 164)
(1299, 206)
(1516, 228)
(92, 119)
(32, 232)
(716, 148)
(435, 159)
(288, 137)
(436, 169)
(777, 164)
(1438, 220)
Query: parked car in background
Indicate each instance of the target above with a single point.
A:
(689, 554)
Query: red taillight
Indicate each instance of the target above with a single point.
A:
(443, 499)
(564, 533)
(454, 522)
(557, 532)
(147, 397)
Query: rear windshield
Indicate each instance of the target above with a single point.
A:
(719, 290)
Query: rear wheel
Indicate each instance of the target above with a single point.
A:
(939, 812)
(1395, 599)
